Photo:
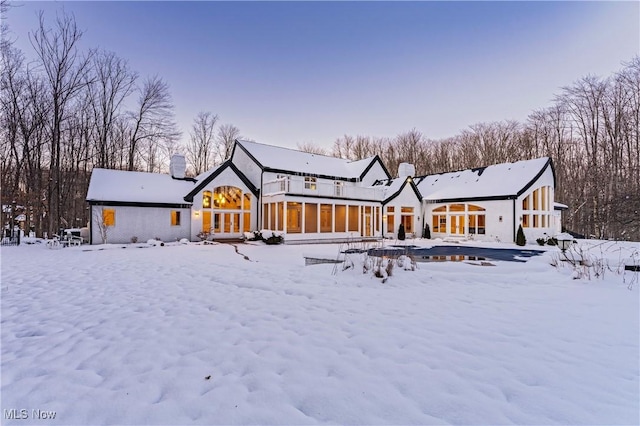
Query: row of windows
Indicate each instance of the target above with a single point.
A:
(536, 220)
(109, 217)
(539, 199)
(320, 217)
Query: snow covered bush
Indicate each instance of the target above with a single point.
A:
(521, 240)
(272, 237)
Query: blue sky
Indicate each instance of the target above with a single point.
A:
(309, 72)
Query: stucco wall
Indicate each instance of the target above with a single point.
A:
(142, 222)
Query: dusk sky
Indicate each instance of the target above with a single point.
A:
(309, 72)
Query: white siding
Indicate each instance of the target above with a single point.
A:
(141, 222)
(375, 173)
(226, 178)
(407, 198)
(249, 167)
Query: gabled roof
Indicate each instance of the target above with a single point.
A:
(394, 187)
(500, 181)
(208, 176)
(286, 160)
(121, 186)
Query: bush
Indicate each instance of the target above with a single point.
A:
(521, 240)
(427, 232)
(274, 239)
(552, 241)
(540, 241)
(134, 240)
(401, 233)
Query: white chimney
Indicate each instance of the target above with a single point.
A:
(406, 170)
(178, 166)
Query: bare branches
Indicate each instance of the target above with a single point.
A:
(153, 122)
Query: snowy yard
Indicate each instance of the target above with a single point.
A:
(197, 334)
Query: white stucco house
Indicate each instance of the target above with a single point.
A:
(317, 198)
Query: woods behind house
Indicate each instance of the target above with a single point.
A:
(70, 110)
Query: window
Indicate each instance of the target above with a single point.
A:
(280, 223)
(309, 182)
(206, 199)
(354, 212)
(265, 216)
(406, 218)
(272, 221)
(326, 219)
(247, 222)
(341, 218)
(377, 219)
(391, 219)
(310, 218)
(246, 205)
(175, 218)
(338, 188)
(227, 197)
(539, 201)
(109, 217)
(294, 217)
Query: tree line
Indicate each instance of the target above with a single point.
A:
(71, 110)
(591, 131)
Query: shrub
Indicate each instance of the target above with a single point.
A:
(401, 233)
(552, 241)
(521, 240)
(540, 241)
(427, 232)
(134, 239)
(274, 239)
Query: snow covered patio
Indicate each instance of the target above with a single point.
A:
(197, 334)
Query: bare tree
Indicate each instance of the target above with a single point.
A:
(200, 148)
(66, 71)
(227, 135)
(311, 148)
(153, 122)
(110, 85)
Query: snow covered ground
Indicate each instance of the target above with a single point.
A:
(197, 334)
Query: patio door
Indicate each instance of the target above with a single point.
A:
(456, 224)
(229, 225)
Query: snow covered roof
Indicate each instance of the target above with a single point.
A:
(392, 187)
(136, 187)
(497, 181)
(290, 160)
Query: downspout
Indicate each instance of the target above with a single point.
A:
(514, 220)
(90, 224)
(259, 203)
